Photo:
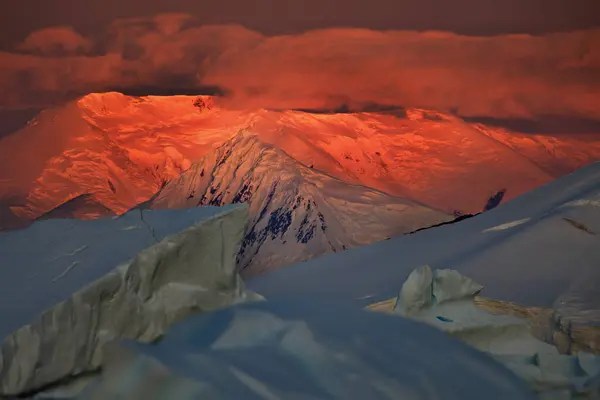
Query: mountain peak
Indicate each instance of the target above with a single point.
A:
(297, 212)
(245, 138)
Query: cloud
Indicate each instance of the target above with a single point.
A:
(510, 76)
(56, 41)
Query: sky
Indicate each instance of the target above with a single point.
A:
(473, 17)
(509, 59)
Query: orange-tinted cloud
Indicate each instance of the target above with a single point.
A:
(56, 41)
(500, 76)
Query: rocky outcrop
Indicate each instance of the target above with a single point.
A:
(182, 274)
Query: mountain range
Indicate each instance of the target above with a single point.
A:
(316, 182)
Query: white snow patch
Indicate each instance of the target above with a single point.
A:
(507, 225)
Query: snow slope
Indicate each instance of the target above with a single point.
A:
(128, 280)
(296, 212)
(44, 264)
(303, 350)
(120, 150)
(540, 249)
(327, 345)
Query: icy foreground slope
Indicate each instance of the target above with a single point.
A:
(68, 287)
(296, 212)
(302, 350)
(531, 345)
(541, 249)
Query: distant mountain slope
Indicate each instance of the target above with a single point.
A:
(296, 212)
(540, 249)
(121, 149)
(80, 207)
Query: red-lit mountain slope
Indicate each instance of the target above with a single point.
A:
(119, 150)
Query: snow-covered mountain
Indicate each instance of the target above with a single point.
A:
(296, 212)
(540, 249)
(119, 150)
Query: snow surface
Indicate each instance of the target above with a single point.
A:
(44, 264)
(302, 350)
(549, 260)
(446, 300)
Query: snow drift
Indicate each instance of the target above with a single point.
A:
(446, 300)
(302, 350)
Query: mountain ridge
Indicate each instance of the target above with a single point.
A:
(121, 149)
(296, 212)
